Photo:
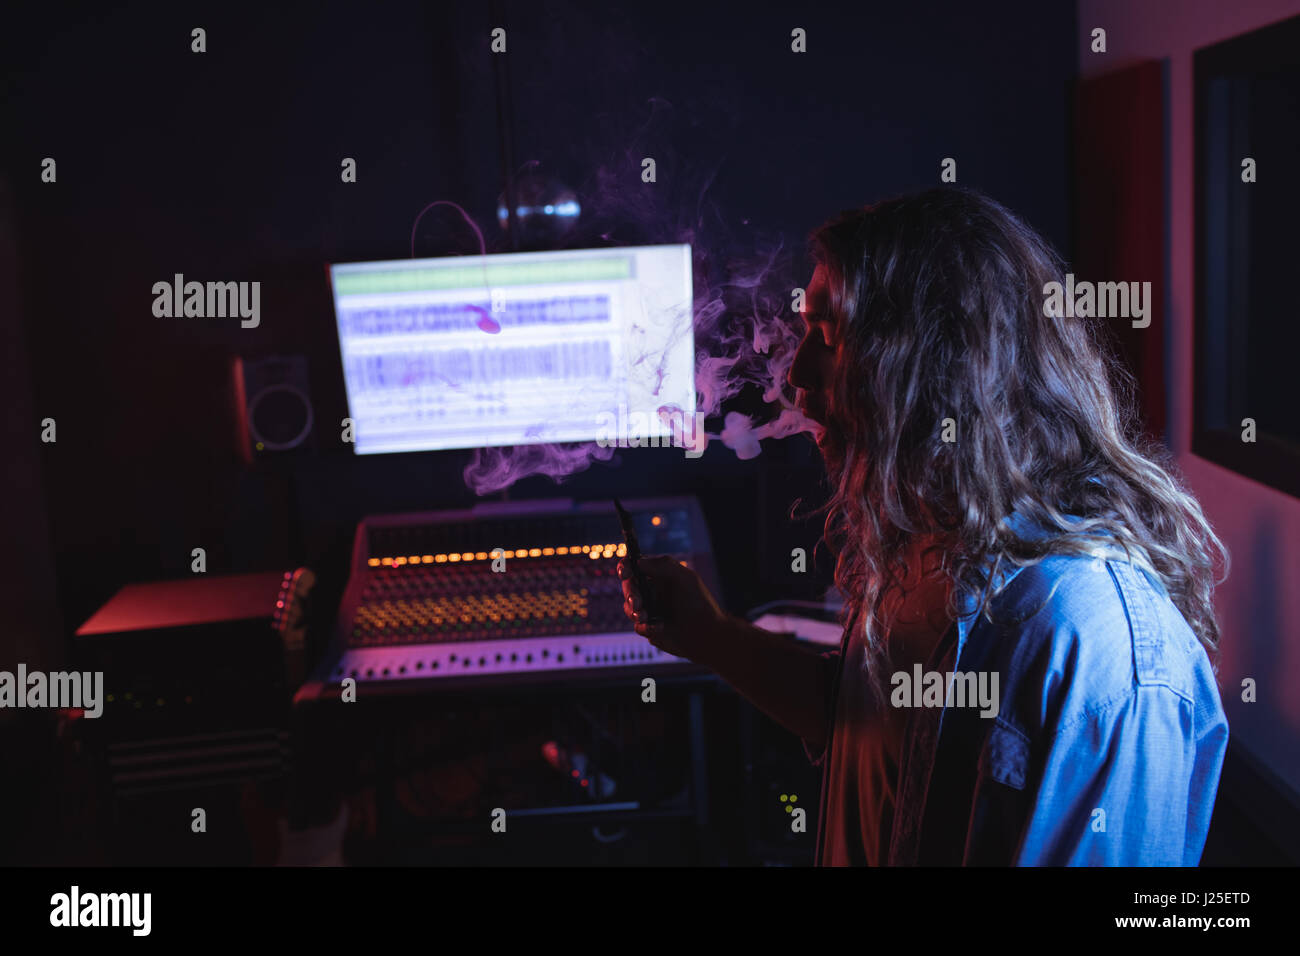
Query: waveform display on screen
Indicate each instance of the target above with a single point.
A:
(465, 317)
(564, 361)
(521, 348)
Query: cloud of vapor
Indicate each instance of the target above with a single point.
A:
(745, 331)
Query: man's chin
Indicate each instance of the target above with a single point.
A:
(828, 442)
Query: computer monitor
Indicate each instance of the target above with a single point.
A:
(517, 348)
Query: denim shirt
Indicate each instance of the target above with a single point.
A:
(1107, 743)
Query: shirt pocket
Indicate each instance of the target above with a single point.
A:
(1005, 756)
(1001, 798)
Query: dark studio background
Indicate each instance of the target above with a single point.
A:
(226, 166)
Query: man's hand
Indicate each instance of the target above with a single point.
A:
(789, 683)
(689, 621)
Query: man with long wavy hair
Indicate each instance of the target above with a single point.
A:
(998, 523)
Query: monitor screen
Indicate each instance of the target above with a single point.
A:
(515, 349)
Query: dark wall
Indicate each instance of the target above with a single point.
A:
(225, 166)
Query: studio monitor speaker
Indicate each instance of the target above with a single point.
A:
(272, 405)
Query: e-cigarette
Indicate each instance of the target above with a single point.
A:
(633, 559)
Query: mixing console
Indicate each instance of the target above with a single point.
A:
(523, 589)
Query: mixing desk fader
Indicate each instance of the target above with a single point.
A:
(518, 591)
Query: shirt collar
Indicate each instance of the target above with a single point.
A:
(968, 599)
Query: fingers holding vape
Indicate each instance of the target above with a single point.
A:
(677, 613)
